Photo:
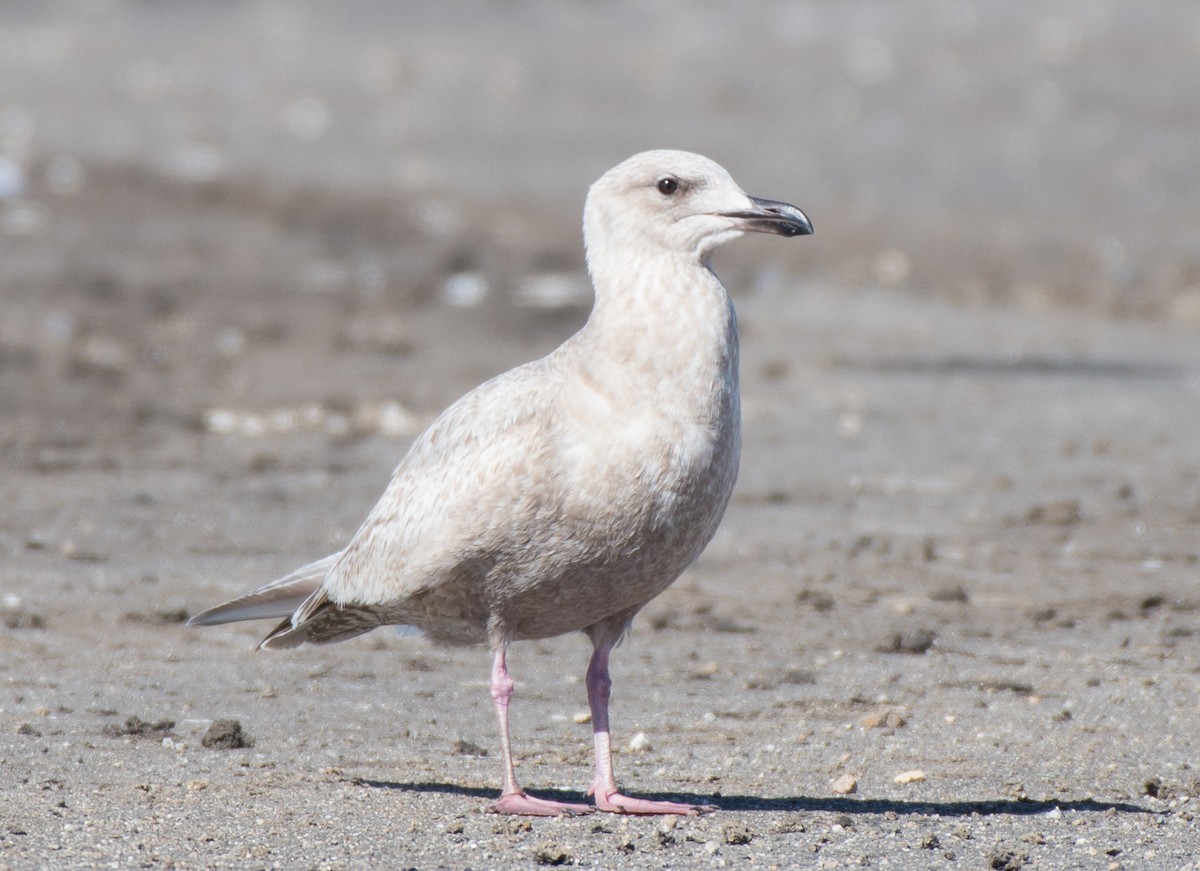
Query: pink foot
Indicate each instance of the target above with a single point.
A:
(524, 804)
(616, 803)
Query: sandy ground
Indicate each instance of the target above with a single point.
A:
(248, 249)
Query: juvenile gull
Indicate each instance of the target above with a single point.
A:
(565, 494)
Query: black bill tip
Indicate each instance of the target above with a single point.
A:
(771, 216)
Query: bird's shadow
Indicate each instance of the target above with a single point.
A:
(841, 804)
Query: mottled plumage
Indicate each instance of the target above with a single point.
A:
(567, 493)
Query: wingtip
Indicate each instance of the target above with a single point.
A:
(213, 616)
(278, 599)
(199, 619)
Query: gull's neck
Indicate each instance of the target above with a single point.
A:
(663, 319)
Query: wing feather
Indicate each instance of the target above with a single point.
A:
(278, 599)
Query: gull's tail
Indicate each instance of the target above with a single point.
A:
(277, 599)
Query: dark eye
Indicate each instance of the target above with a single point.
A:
(667, 185)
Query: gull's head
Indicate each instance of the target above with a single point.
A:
(678, 202)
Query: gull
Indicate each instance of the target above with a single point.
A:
(565, 494)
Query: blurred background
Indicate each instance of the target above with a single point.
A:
(224, 205)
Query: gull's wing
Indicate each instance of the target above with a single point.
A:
(463, 482)
(477, 473)
(277, 599)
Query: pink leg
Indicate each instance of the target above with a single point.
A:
(513, 799)
(604, 788)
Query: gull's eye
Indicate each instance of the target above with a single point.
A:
(667, 185)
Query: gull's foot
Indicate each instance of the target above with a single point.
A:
(526, 805)
(616, 803)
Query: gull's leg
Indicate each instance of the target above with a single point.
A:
(513, 799)
(604, 788)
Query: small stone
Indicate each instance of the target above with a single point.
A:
(798, 676)
(791, 825)
(930, 842)
(455, 827)
(913, 776)
(1154, 600)
(1006, 860)
(25, 620)
(881, 719)
(816, 600)
(665, 831)
(737, 834)
(1064, 512)
(949, 594)
(549, 853)
(844, 785)
(1005, 685)
(226, 735)
(914, 641)
(873, 721)
(512, 826)
(582, 717)
(639, 743)
(1017, 791)
(197, 785)
(468, 748)
(1043, 615)
(712, 848)
(81, 553)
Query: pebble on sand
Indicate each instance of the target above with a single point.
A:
(639, 743)
(883, 719)
(226, 735)
(847, 784)
(913, 776)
